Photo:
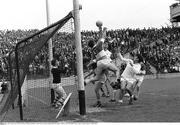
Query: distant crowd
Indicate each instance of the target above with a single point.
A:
(159, 47)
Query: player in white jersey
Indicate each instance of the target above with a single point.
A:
(108, 53)
(128, 77)
(139, 66)
(107, 80)
(103, 63)
(116, 85)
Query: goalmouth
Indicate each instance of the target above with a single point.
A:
(27, 49)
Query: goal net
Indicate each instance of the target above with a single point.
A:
(33, 66)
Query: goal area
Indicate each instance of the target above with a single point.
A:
(29, 69)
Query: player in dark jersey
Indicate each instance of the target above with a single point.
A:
(56, 84)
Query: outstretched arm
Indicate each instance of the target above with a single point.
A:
(102, 39)
(124, 59)
(100, 31)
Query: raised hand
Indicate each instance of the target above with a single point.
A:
(104, 32)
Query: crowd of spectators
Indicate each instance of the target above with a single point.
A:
(159, 47)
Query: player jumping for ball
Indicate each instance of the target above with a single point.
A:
(103, 63)
(107, 79)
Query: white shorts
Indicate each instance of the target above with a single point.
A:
(103, 62)
(102, 65)
(59, 89)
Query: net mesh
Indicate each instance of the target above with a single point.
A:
(34, 68)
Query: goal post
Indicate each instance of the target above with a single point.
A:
(49, 49)
(31, 48)
(79, 57)
(24, 54)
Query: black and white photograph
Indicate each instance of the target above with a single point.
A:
(89, 61)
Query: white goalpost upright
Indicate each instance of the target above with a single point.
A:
(50, 50)
(50, 41)
(79, 57)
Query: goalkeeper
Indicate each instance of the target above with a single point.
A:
(56, 84)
